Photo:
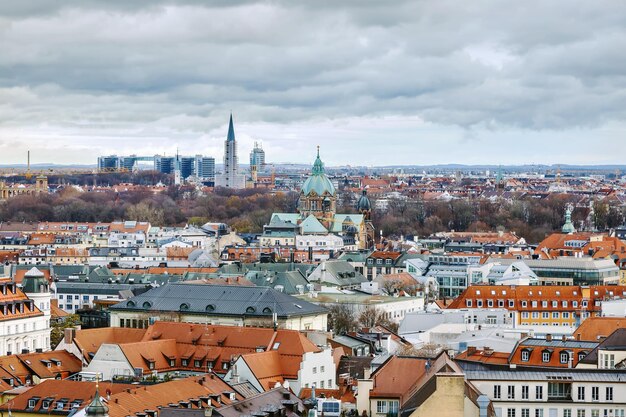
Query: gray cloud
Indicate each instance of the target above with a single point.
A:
(92, 75)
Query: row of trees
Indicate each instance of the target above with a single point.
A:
(530, 218)
(248, 210)
(343, 318)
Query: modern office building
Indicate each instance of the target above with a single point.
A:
(204, 167)
(164, 164)
(257, 157)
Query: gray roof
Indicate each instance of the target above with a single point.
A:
(544, 374)
(289, 280)
(571, 344)
(68, 287)
(220, 300)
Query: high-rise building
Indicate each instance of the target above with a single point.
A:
(164, 164)
(204, 168)
(257, 157)
(108, 163)
(187, 165)
(230, 177)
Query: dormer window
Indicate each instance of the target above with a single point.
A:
(468, 303)
(581, 356)
(172, 362)
(525, 355)
(185, 362)
(545, 356)
(564, 357)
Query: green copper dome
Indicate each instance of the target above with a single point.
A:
(364, 203)
(318, 182)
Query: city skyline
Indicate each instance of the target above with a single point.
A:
(420, 83)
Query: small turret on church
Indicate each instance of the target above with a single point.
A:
(97, 408)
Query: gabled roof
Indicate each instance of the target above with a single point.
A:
(46, 365)
(312, 225)
(267, 368)
(594, 328)
(90, 340)
(615, 341)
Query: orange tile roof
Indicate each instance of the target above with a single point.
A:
(140, 398)
(54, 364)
(220, 343)
(90, 340)
(594, 328)
(484, 356)
(15, 305)
(41, 239)
(57, 390)
(267, 368)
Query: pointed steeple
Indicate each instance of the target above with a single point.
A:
(318, 165)
(231, 130)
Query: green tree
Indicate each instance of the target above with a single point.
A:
(57, 331)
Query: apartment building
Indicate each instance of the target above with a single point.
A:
(549, 393)
(541, 305)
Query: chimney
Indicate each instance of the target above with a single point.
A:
(69, 335)
(564, 338)
(471, 350)
(548, 337)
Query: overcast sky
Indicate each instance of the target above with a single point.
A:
(372, 82)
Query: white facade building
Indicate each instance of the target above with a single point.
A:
(23, 325)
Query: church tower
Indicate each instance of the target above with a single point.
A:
(97, 408)
(230, 177)
(318, 195)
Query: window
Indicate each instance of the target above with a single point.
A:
(545, 315)
(511, 392)
(555, 304)
(555, 315)
(567, 412)
(185, 362)
(197, 363)
(322, 369)
(315, 369)
(172, 362)
(545, 356)
(525, 355)
(497, 392)
(595, 413)
(564, 357)
(511, 303)
(539, 392)
(544, 304)
(468, 303)
(510, 412)
(565, 315)
(524, 304)
(580, 412)
(225, 365)
(489, 303)
(479, 303)
(330, 383)
(595, 393)
(381, 407)
(525, 412)
(500, 303)
(575, 305)
(609, 393)
(525, 314)
(524, 392)
(539, 412)
(31, 403)
(581, 393)
(321, 384)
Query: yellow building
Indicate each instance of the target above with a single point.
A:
(7, 191)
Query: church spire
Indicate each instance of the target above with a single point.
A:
(318, 165)
(231, 130)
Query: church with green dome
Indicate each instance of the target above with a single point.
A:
(317, 213)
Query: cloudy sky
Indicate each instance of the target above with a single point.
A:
(372, 82)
